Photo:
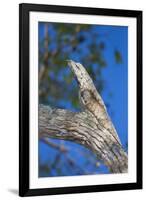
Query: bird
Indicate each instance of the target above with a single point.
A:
(91, 100)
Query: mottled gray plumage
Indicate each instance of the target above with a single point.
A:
(91, 99)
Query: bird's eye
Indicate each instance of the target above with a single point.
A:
(77, 66)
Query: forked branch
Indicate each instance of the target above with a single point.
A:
(91, 128)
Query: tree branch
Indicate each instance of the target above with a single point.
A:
(91, 128)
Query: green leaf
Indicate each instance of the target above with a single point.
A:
(118, 57)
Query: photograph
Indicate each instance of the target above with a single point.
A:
(83, 73)
(80, 111)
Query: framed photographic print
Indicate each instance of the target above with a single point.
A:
(80, 99)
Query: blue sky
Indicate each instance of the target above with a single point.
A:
(116, 76)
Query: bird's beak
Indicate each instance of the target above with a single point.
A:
(72, 66)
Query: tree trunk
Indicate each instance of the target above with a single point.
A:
(91, 128)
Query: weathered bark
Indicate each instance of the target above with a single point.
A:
(91, 128)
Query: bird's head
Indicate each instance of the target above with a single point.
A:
(83, 79)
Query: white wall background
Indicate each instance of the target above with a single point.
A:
(9, 39)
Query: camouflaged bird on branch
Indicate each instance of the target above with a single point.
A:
(92, 127)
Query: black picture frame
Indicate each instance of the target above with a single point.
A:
(24, 106)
